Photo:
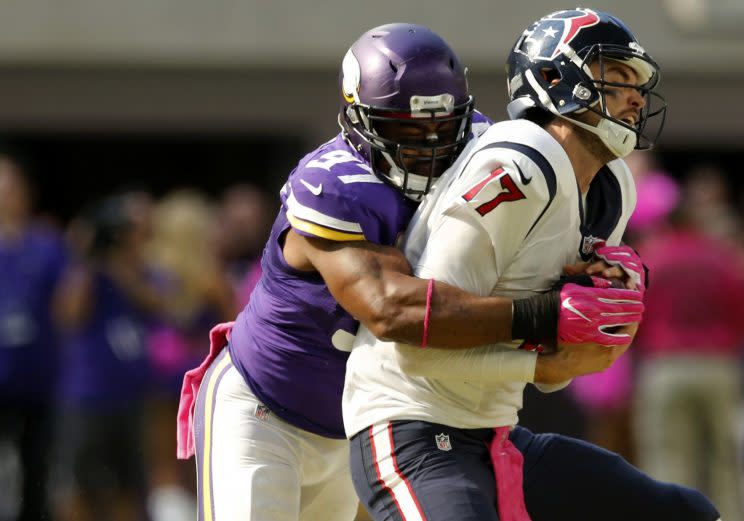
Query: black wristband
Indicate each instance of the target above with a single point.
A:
(536, 318)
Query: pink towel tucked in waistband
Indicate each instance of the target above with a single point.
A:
(218, 337)
(507, 466)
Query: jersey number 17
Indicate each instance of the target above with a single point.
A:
(511, 191)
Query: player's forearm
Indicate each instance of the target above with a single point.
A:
(573, 360)
(457, 319)
(374, 284)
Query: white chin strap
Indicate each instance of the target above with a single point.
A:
(415, 182)
(619, 140)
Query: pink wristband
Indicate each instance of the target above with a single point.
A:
(427, 314)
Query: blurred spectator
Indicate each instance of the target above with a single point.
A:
(642, 163)
(658, 196)
(104, 307)
(606, 397)
(245, 218)
(708, 201)
(182, 251)
(31, 263)
(688, 347)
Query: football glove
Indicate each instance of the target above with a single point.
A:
(577, 310)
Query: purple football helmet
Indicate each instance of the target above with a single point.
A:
(548, 68)
(405, 104)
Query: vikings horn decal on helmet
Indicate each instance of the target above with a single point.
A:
(548, 68)
(405, 104)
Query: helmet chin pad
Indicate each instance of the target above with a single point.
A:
(409, 179)
(619, 140)
(413, 186)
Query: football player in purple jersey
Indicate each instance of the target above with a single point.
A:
(268, 432)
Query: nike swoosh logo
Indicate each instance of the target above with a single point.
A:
(525, 180)
(567, 305)
(315, 190)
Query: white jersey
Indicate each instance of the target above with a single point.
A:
(505, 220)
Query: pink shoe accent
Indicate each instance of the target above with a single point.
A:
(507, 466)
(218, 338)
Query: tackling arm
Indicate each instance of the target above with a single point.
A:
(374, 284)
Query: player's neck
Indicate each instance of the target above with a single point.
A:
(585, 150)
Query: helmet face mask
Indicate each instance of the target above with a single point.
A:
(652, 114)
(411, 152)
(406, 107)
(550, 67)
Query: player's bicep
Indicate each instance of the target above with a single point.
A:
(359, 274)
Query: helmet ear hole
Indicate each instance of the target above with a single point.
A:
(550, 75)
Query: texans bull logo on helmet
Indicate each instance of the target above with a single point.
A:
(555, 29)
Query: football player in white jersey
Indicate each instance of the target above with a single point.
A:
(433, 430)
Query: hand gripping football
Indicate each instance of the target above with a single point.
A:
(627, 259)
(592, 314)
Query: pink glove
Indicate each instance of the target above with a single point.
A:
(588, 314)
(628, 260)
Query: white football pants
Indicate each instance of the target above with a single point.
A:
(253, 466)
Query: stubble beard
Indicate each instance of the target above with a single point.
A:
(593, 142)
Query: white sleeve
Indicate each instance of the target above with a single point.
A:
(492, 364)
(460, 251)
(477, 236)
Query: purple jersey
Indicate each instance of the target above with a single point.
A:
(30, 268)
(287, 342)
(291, 342)
(104, 363)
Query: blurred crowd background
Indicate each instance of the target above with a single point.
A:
(142, 148)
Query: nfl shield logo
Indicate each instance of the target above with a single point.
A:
(588, 244)
(261, 412)
(443, 441)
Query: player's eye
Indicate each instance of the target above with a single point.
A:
(611, 92)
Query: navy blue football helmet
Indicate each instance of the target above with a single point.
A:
(405, 75)
(548, 68)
